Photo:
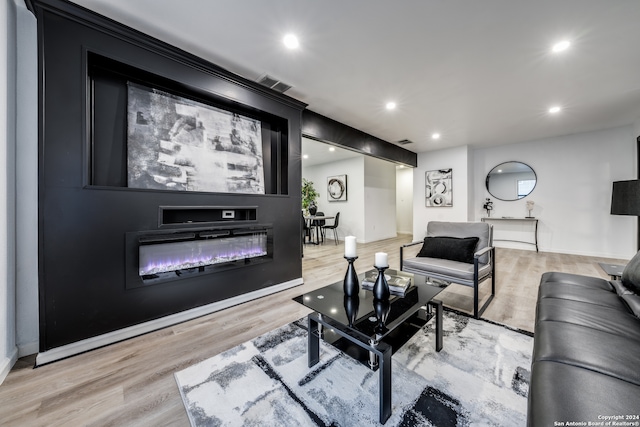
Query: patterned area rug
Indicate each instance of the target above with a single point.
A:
(480, 378)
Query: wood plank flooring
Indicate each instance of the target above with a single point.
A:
(131, 383)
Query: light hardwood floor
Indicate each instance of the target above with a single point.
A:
(131, 383)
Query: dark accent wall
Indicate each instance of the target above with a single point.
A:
(321, 128)
(86, 209)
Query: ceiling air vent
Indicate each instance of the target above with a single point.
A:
(274, 84)
(405, 142)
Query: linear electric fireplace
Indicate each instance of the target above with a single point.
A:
(159, 257)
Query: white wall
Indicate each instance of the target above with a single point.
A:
(458, 160)
(8, 349)
(19, 160)
(404, 200)
(636, 128)
(573, 193)
(351, 210)
(379, 199)
(369, 213)
(27, 181)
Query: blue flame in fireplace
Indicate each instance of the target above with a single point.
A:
(165, 257)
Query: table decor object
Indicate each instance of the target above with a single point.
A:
(351, 282)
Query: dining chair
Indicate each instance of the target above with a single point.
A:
(333, 227)
(318, 224)
(306, 230)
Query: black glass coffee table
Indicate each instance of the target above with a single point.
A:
(369, 330)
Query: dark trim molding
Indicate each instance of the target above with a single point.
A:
(324, 129)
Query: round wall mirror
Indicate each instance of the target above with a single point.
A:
(511, 181)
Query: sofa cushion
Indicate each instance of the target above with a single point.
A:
(617, 321)
(582, 346)
(561, 393)
(583, 294)
(633, 302)
(452, 248)
(576, 279)
(631, 274)
(438, 268)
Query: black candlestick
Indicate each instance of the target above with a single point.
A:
(351, 282)
(381, 287)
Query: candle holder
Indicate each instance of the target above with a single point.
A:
(381, 287)
(351, 284)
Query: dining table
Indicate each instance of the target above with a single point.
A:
(312, 222)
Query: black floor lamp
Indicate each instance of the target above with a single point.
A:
(625, 200)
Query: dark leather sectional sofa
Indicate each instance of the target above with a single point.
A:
(586, 358)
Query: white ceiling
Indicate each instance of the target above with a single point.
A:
(315, 153)
(480, 72)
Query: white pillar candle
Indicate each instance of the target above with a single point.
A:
(350, 246)
(381, 260)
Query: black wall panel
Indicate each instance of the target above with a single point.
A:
(85, 208)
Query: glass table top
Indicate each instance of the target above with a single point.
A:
(362, 313)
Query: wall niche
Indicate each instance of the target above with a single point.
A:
(110, 82)
(89, 210)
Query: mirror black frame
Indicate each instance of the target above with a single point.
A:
(504, 163)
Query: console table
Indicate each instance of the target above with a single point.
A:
(535, 229)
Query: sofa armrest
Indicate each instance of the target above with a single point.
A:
(406, 245)
(482, 251)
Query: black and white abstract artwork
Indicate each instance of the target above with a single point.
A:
(337, 188)
(438, 191)
(175, 143)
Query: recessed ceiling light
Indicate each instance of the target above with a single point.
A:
(391, 105)
(499, 170)
(291, 41)
(305, 156)
(332, 148)
(435, 135)
(555, 109)
(561, 46)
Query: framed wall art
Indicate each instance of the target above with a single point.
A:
(337, 188)
(438, 190)
(175, 143)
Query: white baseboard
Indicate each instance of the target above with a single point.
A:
(143, 328)
(28, 348)
(7, 363)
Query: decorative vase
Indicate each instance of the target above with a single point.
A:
(381, 287)
(530, 204)
(351, 284)
(313, 209)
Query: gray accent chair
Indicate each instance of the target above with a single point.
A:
(463, 273)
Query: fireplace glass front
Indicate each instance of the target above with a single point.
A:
(180, 255)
